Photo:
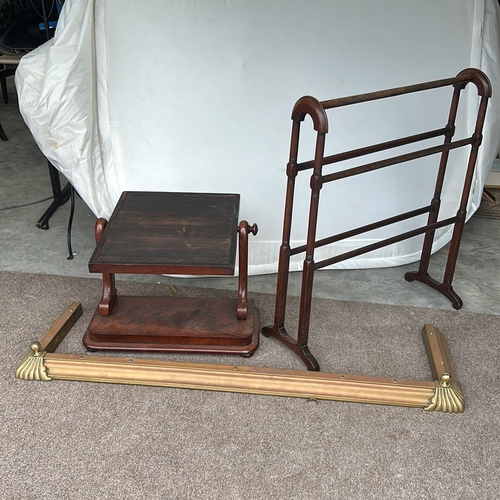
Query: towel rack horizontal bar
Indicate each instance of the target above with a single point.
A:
(365, 229)
(376, 148)
(369, 167)
(382, 94)
(386, 242)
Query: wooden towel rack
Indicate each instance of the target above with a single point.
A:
(317, 111)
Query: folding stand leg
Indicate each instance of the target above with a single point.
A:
(422, 274)
(444, 287)
(298, 346)
(277, 330)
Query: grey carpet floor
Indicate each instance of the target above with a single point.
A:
(81, 440)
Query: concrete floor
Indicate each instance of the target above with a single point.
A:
(25, 193)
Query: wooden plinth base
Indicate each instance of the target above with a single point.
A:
(175, 324)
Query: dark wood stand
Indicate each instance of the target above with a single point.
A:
(317, 111)
(173, 233)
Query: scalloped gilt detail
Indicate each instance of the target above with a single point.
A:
(33, 367)
(447, 399)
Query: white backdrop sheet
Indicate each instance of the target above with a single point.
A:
(196, 95)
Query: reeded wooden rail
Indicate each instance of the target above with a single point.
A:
(444, 394)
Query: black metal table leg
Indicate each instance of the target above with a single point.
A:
(3, 135)
(60, 195)
(70, 222)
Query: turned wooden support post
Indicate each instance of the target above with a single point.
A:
(108, 280)
(243, 230)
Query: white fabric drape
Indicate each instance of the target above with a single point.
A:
(191, 95)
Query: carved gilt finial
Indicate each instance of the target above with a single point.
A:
(445, 380)
(33, 367)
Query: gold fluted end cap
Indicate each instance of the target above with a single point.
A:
(448, 397)
(33, 367)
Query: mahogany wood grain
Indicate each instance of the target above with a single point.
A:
(108, 298)
(173, 233)
(308, 105)
(169, 233)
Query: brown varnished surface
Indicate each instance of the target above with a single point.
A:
(178, 233)
(108, 280)
(308, 105)
(178, 324)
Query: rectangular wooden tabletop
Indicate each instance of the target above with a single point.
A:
(177, 233)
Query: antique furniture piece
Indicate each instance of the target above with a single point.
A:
(173, 233)
(317, 111)
(443, 394)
